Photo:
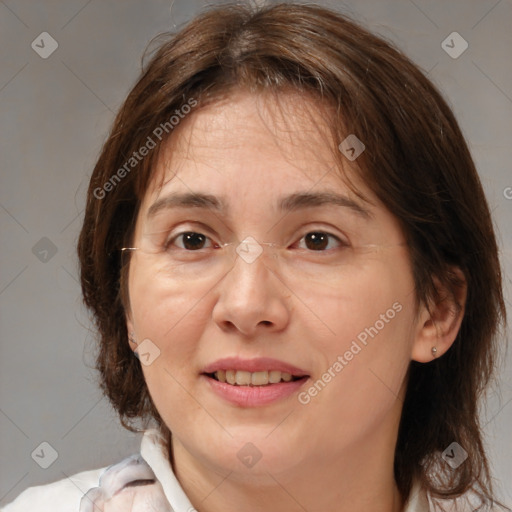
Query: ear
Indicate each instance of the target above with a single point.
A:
(438, 328)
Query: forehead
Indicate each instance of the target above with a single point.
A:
(251, 145)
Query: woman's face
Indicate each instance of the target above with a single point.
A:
(334, 306)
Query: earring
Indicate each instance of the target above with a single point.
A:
(434, 351)
(131, 337)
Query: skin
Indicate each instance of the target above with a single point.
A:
(336, 452)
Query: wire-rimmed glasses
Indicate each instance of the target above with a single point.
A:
(169, 261)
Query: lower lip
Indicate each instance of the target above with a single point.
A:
(254, 396)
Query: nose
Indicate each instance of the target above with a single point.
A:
(252, 299)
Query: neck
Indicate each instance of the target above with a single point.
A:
(357, 480)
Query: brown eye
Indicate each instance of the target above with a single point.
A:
(318, 240)
(191, 240)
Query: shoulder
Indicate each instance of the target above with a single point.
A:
(62, 496)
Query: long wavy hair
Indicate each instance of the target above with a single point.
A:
(416, 161)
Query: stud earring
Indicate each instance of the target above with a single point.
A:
(434, 351)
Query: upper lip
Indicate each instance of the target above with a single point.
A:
(258, 364)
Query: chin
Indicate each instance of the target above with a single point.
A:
(254, 452)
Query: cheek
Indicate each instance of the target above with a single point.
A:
(370, 296)
(173, 319)
(366, 359)
(159, 307)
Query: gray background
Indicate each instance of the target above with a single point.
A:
(55, 114)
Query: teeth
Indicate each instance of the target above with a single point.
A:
(230, 376)
(259, 378)
(274, 376)
(243, 378)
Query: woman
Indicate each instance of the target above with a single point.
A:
(294, 275)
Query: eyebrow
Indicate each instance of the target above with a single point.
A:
(289, 203)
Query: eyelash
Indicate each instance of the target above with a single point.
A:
(170, 241)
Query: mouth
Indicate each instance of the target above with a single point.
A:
(253, 382)
(261, 378)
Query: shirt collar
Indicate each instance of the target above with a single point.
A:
(418, 500)
(153, 451)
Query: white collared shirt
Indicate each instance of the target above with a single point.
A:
(141, 483)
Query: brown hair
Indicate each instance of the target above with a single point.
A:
(416, 161)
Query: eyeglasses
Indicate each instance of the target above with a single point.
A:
(193, 262)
